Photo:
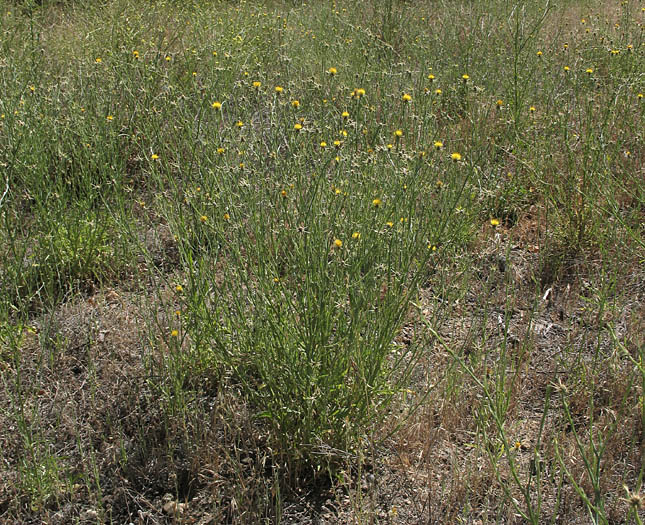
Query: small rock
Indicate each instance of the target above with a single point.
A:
(173, 508)
(89, 515)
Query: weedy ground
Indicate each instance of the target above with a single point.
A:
(293, 262)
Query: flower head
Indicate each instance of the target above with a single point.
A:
(332, 71)
(465, 78)
(297, 126)
(398, 133)
(279, 89)
(295, 103)
(257, 84)
(406, 97)
(338, 243)
(456, 157)
(216, 105)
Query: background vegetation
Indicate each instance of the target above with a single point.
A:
(280, 261)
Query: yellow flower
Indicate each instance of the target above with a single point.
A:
(437, 92)
(389, 224)
(283, 193)
(135, 54)
(455, 156)
(295, 103)
(226, 217)
(216, 105)
(323, 144)
(358, 93)
(279, 89)
(390, 146)
(332, 71)
(337, 143)
(168, 59)
(566, 68)
(406, 97)
(398, 133)
(179, 288)
(431, 77)
(356, 235)
(297, 126)
(98, 60)
(589, 71)
(532, 109)
(539, 53)
(220, 151)
(257, 84)
(499, 103)
(338, 243)
(345, 115)
(239, 124)
(110, 118)
(154, 156)
(494, 222)
(377, 203)
(174, 333)
(438, 144)
(203, 218)
(465, 78)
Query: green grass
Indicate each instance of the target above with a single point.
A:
(284, 249)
